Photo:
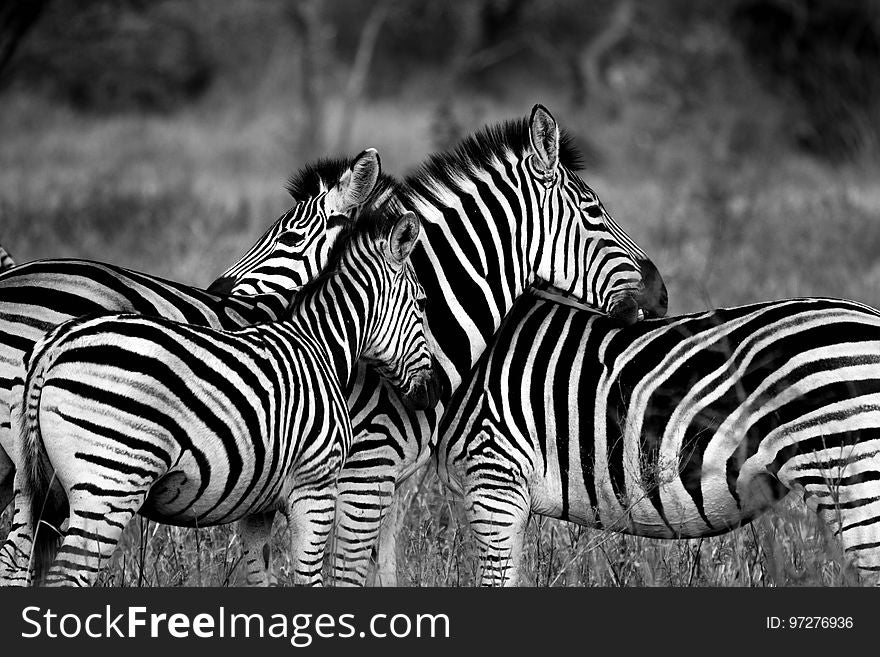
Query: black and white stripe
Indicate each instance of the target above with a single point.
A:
(503, 211)
(37, 296)
(676, 428)
(196, 426)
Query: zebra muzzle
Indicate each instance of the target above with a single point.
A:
(624, 309)
(424, 393)
(222, 285)
(653, 299)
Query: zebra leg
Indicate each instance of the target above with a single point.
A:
(497, 502)
(392, 526)
(310, 514)
(256, 533)
(852, 510)
(94, 529)
(7, 475)
(861, 540)
(386, 548)
(498, 520)
(15, 553)
(843, 486)
(359, 517)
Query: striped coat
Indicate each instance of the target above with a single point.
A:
(37, 296)
(503, 211)
(672, 428)
(195, 426)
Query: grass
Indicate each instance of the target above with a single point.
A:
(788, 546)
(182, 196)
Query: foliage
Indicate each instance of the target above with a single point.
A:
(813, 63)
(820, 58)
(102, 55)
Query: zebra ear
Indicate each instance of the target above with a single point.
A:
(356, 184)
(544, 133)
(403, 237)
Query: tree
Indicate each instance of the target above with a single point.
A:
(17, 19)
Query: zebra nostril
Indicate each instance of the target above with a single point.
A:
(625, 310)
(425, 392)
(653, 299)
(418, 398)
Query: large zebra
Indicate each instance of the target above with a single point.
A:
(197, 426)
(676, 428)
(39, 295)
(6, 261)
(501, 212)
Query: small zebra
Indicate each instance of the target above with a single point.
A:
(501, 212)
(683, 427)
(197, 426)
(37, 296)
(6, 261)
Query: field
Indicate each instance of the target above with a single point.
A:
(183, 195)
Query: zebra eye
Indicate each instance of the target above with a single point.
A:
(291, 238)
(422, 303)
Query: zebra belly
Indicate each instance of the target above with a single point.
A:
(171, 498)
(677, 518)
(185, 477)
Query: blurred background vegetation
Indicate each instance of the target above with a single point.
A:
(737, 141)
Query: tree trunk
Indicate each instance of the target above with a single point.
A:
(16, 20)
(597, 91)
(360, 69)
(315, 42)
(445, 128)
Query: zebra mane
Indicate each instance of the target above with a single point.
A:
(322, 174)
(478, 150)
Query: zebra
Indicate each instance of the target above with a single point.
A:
(39, 295)
(197, 426)
(502, 211)
(6, 261)
(682, 427)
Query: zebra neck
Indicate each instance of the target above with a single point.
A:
(471, 261)
(334, 325)
(273, 304)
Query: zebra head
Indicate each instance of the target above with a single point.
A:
(394, 341)
(586, 255)
(295, 248)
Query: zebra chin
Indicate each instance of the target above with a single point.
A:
(648, 301)
(424, 391)
(624, 309)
